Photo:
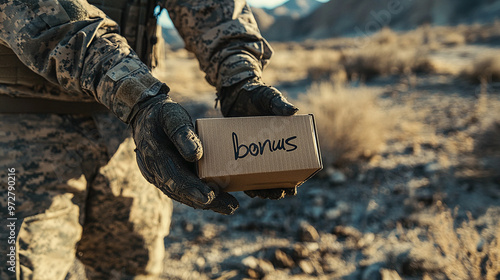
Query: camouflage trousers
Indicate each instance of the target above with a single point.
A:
(80, 207)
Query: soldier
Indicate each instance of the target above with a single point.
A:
(61, 61)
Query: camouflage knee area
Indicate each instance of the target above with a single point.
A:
(126, 221)
(49, 156)
(46, 242)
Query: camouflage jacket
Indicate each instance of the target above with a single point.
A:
(75, 47)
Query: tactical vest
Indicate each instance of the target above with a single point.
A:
(137, 23)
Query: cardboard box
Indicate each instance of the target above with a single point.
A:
(252, 153)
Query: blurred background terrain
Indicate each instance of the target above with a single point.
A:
(406, 96)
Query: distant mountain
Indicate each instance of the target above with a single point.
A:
(359, 17)
(264, 18)
(278, 20)
(290, 10)
(297, 20)
(295, 8)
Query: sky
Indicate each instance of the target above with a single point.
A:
(165, 20)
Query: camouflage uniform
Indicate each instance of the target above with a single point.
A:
(76, 209)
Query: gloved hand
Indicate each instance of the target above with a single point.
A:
(253, 98)
(167, 146)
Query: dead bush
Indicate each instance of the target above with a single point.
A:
(385, 37)
(350, 123)
(371, 61)
(457, 252)
(453, 39)
(486, 68)
(181, 71)
(483, 33)
(489, 140)
(333, 72)
(297, 64)
(487, 147)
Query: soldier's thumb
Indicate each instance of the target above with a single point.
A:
(187, 143)
(180, 130)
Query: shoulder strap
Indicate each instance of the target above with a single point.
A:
(138, 24)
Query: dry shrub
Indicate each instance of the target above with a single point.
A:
(483, 33)
(181, 72)
(388, 53)
(290, 65)
(385, 37)
(350, 123)
(453, 39)
(444, 36)
(372, 61)
(487, 147)
(489, 140)
(333, 72)
(443, 65)
(457, 252)
(486, 68)
(421, 36)
(384, 53)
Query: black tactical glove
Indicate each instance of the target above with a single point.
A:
(167, 146)
(253, 98)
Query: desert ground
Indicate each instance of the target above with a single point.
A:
(409, 127)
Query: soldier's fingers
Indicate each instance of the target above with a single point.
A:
(187, 143)
(179, 180)
(271, 101)
(193, 192)
(281, 107)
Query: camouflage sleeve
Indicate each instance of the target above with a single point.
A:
(74, 45)
(224, 36)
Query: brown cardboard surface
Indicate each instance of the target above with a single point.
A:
(258, 152)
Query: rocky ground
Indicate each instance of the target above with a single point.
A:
(425, 207)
